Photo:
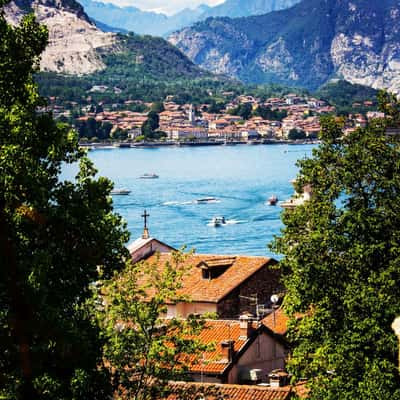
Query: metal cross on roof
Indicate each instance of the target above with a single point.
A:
(145, 215)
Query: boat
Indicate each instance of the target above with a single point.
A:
(218, 221)
(149, 176)
(120, 192)
(272, 200)
(206, 200)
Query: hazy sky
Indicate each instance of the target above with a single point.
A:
(164, 6)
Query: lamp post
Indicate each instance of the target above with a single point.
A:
(274, 300)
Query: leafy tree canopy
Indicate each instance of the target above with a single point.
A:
(143, 348)
(342, 263)
(242, 110)
(295, 134)
(53, 236)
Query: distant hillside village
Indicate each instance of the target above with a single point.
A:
(244, 118)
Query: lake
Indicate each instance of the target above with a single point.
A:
(240, 177)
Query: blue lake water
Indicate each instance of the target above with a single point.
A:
(241, 177)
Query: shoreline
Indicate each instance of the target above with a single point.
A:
(122, 145)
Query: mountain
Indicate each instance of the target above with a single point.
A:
(305, 45)
(77, 47)
(127, 18)
(246, 8)
(144, 22)
(106, 28)
(75, 43)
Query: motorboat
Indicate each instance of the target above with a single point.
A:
(206, 200)
(218, 221)
(120, 192)
(273, 200)
(149, 176)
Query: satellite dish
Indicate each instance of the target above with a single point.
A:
(274, 298)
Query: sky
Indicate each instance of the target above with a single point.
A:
(165, 6)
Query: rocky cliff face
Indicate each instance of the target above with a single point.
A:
(75, 44)
(305, 45)
(366, 47)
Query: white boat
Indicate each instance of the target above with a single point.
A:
(218, 221)
(206, 200)
(120, 192)
(149, 176)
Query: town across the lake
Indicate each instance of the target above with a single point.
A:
(242, 119)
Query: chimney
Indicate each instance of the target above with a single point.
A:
(245, 326)
(227, 350)
(278, 378)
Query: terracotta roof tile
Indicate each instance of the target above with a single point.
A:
(233, 392)
(277, 322)
(215, 332)
(214, 290)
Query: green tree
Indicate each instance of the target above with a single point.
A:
(295, 134)
(342, 264)
(120, 134)
(54, 234)
(215, 107)
(268, 113)
(243, 110)
(144, 349)
(149, 127)
(157, 107)
(153, 120)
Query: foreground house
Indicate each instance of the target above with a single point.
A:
(244, 352)
(225, 285)
(238, 290)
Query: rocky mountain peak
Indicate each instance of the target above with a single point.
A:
(75, 43)
(305, 45)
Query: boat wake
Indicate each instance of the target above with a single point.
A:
(177, 203)
(235, 221)
(228, 222)
(197, 201)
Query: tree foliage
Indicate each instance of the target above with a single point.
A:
(268, 113)
(242, 110)
(345, 96)
(91, 128)
(53, 235)
(144, 349)
(295, 134)
(149, 128)
(342, 263)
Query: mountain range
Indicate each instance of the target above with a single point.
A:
(305, 45)
(152, 23)
(77, 47)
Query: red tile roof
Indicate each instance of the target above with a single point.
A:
(209, 391)
(213, 290)
(213, 333)
(277, 322)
